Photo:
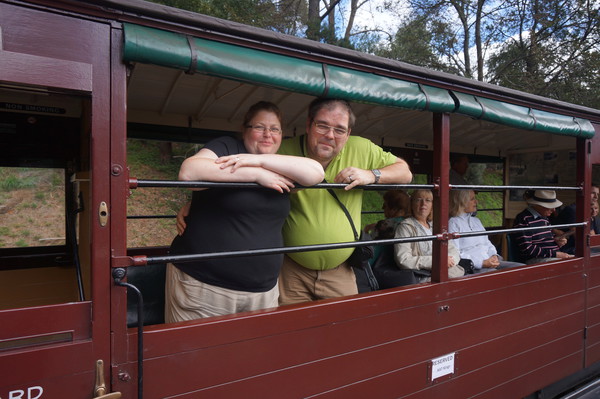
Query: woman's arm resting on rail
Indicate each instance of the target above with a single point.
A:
(302, 170)
(203, 166)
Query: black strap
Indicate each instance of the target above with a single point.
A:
(373, 283)
(356, 236)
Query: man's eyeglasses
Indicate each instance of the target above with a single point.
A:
(262, 129)
(322, 128)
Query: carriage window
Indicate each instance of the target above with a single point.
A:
(44, 199)
(32, 204)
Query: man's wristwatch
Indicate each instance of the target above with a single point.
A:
(377, 174)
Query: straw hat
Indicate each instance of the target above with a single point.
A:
(545, 198)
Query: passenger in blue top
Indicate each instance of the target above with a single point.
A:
(478, 249)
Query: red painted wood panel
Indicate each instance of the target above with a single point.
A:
(44, 366)
(73, 317)
(405, 329)
(499, 294)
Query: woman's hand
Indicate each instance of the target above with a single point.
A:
(451, 262)
(181, 215)
(273, 180)
(492, 262)
(238, 160)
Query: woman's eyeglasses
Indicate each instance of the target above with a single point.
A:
(262, 129)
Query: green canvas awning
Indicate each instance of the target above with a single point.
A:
(195, 55)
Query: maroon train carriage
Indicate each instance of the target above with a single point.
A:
(80, 81)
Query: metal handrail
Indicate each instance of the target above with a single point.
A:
(143, 260)
(137, 183)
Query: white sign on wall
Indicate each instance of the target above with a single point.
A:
(442, 366)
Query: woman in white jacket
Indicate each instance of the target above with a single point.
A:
(417, 256)
(478, 249)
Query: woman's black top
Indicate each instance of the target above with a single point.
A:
(228, 219)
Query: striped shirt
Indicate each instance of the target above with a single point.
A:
(534, 244)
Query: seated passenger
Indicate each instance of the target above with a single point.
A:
(459, 164)
(479, 249)
(418, 256)
(540, 245)
(230, 219)
(396, 206)
(595, 220)
(567, 215)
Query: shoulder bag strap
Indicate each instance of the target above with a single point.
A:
(356, 236)
(373, 283)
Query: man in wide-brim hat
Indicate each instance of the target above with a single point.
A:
(539, 245)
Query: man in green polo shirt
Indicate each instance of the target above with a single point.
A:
(315, 216)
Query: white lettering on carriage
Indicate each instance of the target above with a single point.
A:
(31, 393)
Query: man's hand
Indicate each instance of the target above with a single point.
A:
(563, 255)
(354, 177)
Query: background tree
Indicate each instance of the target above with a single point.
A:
(415, 42)
(555, 53)
(461, 31)
(286, 16)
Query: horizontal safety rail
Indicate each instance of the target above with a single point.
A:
(517, 230)
(135, 183)
(363, 212)
(151, 216)
(142, 260)
(498, 188)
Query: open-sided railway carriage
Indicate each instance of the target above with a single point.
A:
(77, 78)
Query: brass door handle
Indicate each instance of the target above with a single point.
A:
(112, 395)
(100, 388)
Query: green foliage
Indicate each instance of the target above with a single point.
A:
(489, 175)
(372, 201)
(413, 43)
(143, 156)
(13, 182)
(27, 178)
(280, 16)
(555, 53)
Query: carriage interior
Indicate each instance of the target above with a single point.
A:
(47, 131)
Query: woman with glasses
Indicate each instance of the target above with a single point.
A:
(229, 219)
(418, 256)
